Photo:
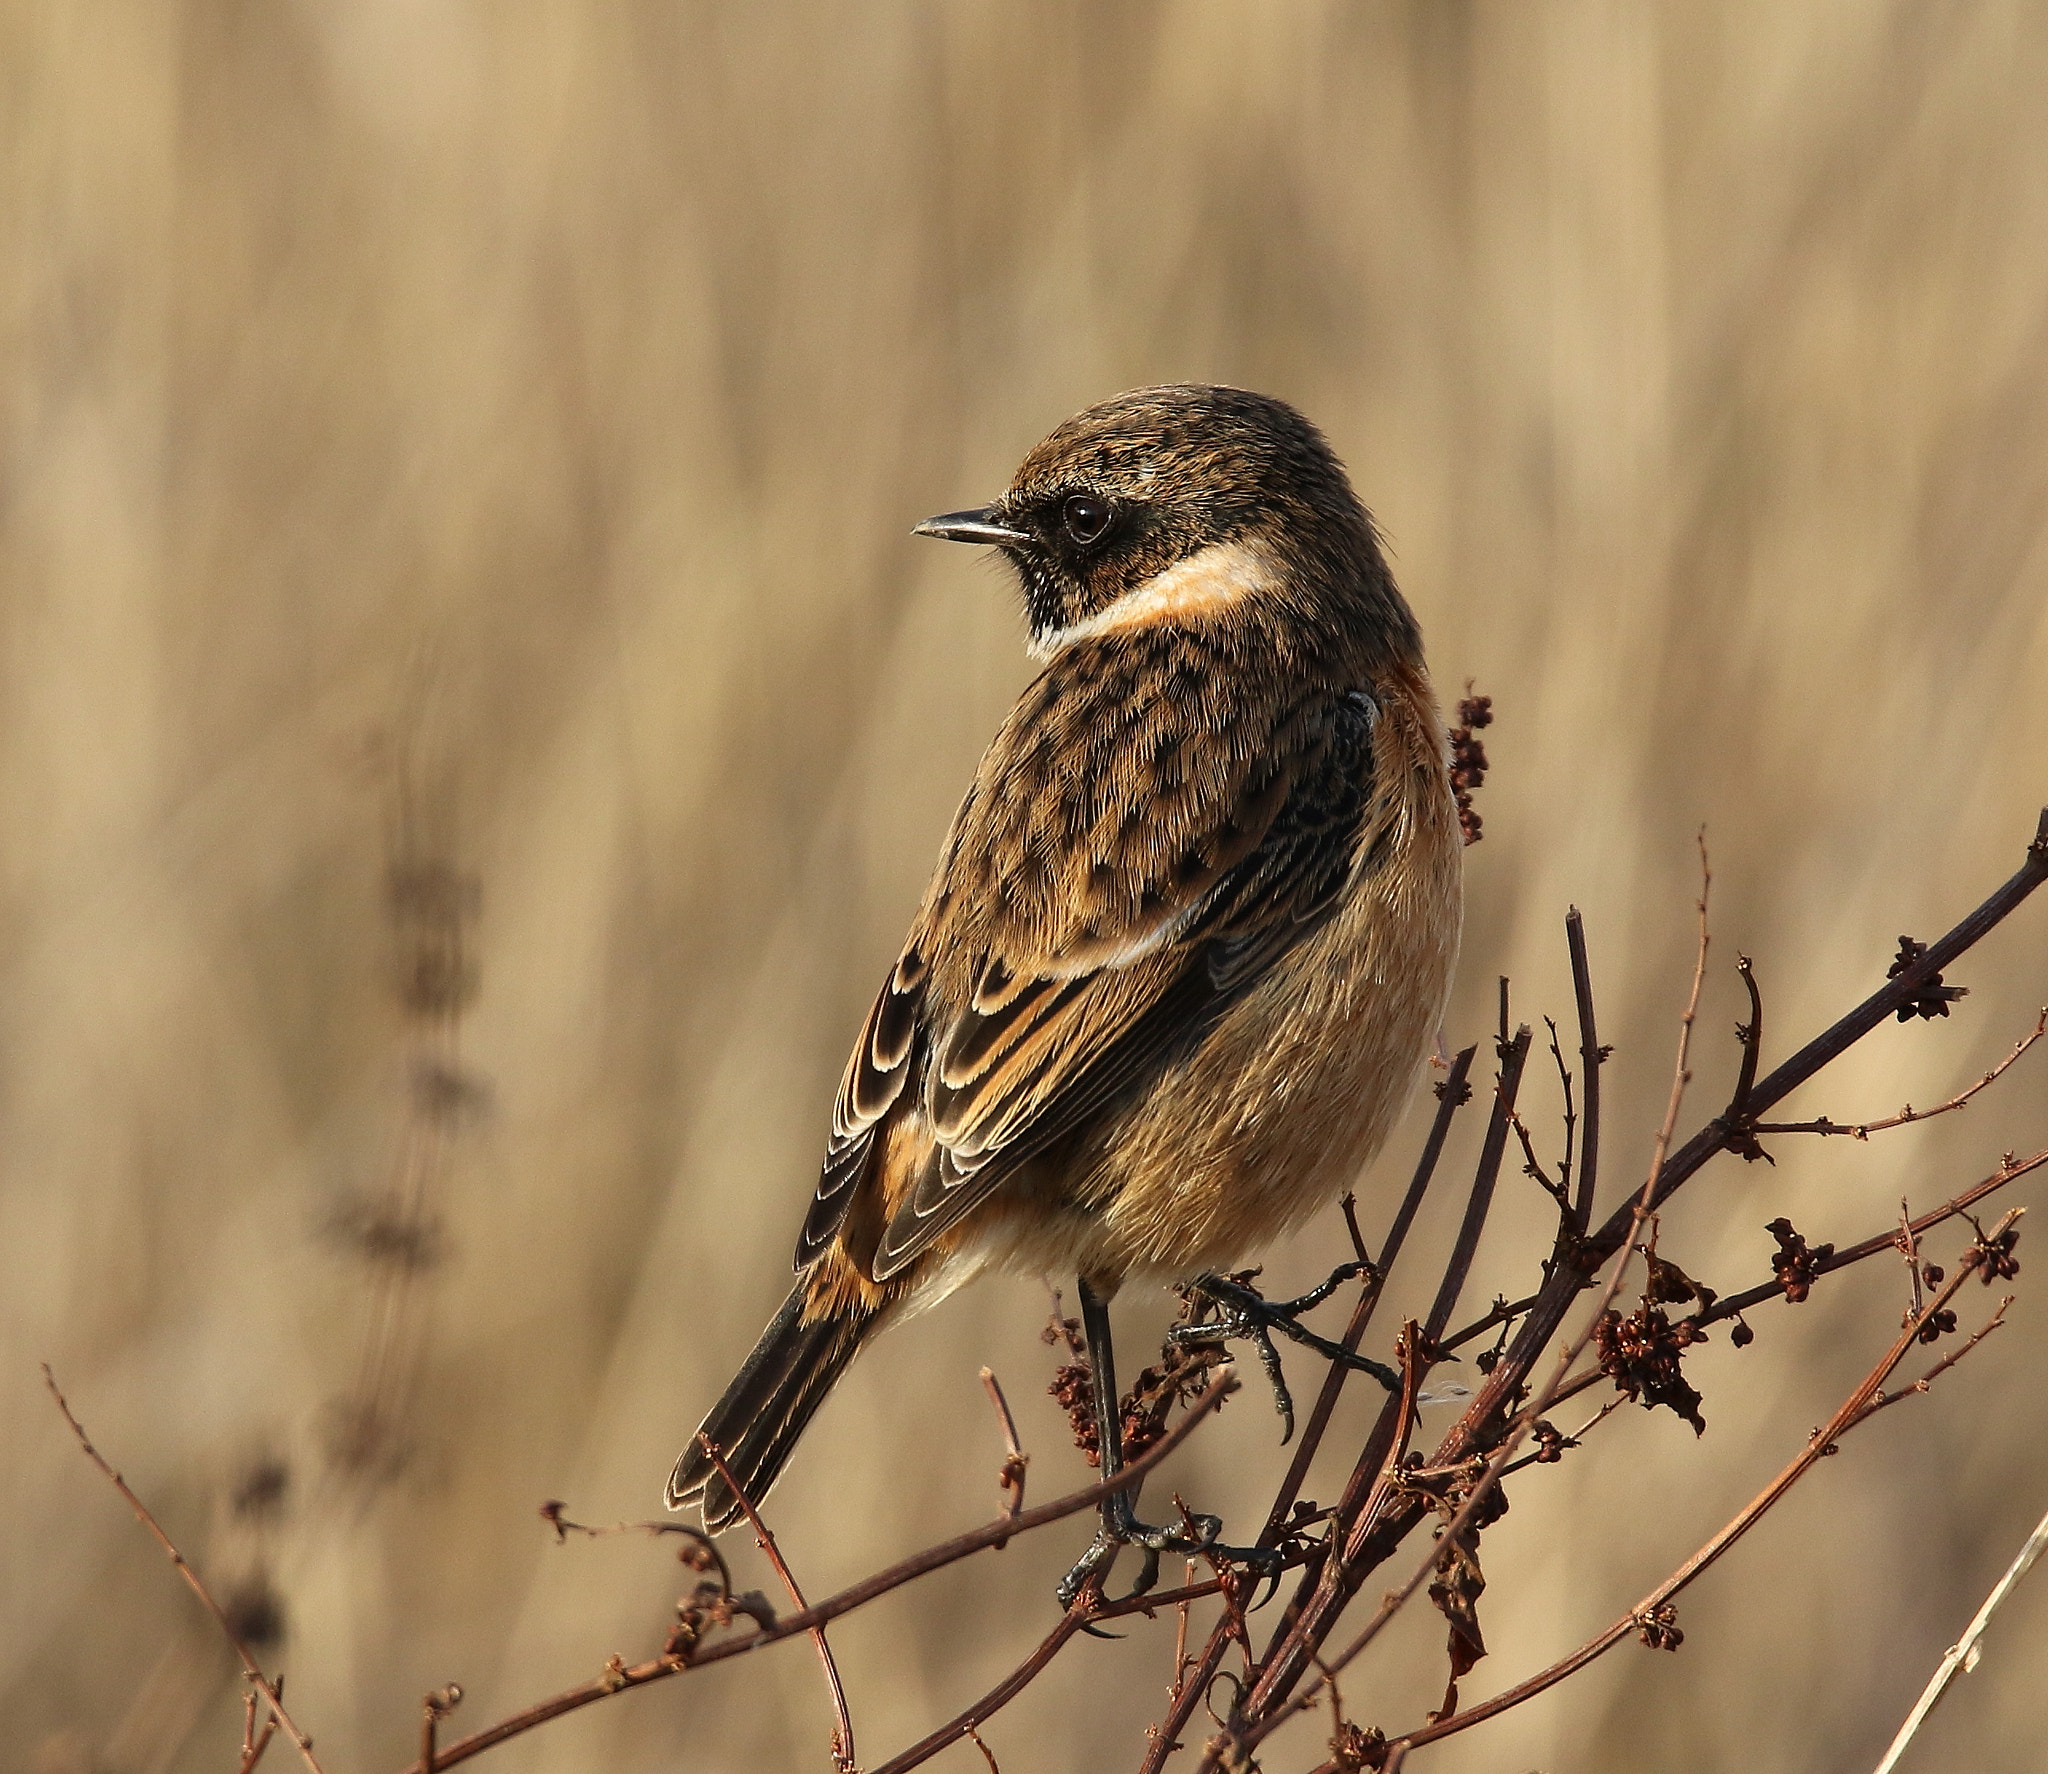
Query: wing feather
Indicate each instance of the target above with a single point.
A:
(1018, 1068)
(880, 1065)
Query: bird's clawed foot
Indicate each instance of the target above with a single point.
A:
(1197, 1535)
(1242, 1312)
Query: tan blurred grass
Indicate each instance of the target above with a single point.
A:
(516, 413)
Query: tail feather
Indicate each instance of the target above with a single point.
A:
(767, 1407)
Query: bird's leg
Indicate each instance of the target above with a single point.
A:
(1120, 1523)
(1241, 1312)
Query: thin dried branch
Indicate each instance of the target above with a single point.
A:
(843, 1757)
(1532, 1167)
(1909, 1248)
(1681, 1074)
(1961, 1657)
(434, 1708)
(1751, 1035)
(1591, 1057)
(2008, 1172)
(1652, 1616)
(998, 1697)
(252, 1671)
(1571, 1124)
(1514, 1054)
(255, 1742)
(620, 1676)
(1500, 1312)
(1010, 1476)
(1862, 1130)
(1925, 1383)
(1453, 1093)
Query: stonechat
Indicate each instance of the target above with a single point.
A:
(1188, 937)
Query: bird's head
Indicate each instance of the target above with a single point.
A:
(1190, 505)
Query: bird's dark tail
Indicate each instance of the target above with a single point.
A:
(767, 1407)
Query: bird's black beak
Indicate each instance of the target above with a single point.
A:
(978, 525)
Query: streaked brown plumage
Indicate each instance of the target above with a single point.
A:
(1193, 925)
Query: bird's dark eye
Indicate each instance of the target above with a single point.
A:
(1086, 519)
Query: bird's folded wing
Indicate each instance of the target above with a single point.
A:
(1052, 1031)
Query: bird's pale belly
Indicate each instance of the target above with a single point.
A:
(1273, 1116)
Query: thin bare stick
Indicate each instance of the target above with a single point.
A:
(1962, 1656)
(1591, 1054)
(1925, 1383)
(2008, 1172)
(1513, 1054)
(1571, 1122)
(1862, 1130)
(616, 1680)
(996, 1698)
(1453, 1092)
(1574, 1438)
(842, 1717)
(703, 1554)
(255, 1742)
(1532, 1167)
(252, 1671)
(1909, 1248)
(1500, 1312)
(1681, 1072)
(1751, 1034)
(1010, 1478)
(1822, 1443)
(1452, 1095)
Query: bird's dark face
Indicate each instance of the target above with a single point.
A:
(1187, 504)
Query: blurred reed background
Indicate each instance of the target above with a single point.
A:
(475, 725)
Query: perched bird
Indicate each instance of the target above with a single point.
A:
(1188, 937)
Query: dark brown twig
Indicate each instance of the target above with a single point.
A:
(1855, 1409)
(996, 1698)
(1862, 1130)
(1909, 1248)
(1452, 1095)
(255, 1742)
(842, 1717)
(1591, 1056)
(1682, 1071)
(1010, 1476)
(434, 1708)
(1514, 1054)
(857, 1595)
(252, 1671)
(1751, 1035)
(2008, 1172)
